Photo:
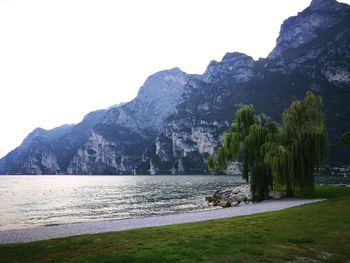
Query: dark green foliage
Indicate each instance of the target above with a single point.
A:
(285, 156)
(304, 138)
(251, 132)
(345, 138)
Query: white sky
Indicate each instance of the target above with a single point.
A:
(60, 59)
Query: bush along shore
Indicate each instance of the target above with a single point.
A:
(237, 196)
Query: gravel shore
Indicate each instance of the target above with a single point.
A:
(49, 232)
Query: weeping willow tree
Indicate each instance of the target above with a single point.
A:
(301, 146)
(305, 137)
(273, 156)
(250, 132)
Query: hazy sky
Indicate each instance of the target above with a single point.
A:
(60, 59)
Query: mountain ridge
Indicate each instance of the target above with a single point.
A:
(177, 119)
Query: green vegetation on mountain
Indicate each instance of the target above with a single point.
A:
(276, 157)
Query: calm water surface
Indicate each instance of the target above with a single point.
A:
(30, 201)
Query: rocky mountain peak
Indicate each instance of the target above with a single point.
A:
(325, 5)
(93, 116)
(155, 101)
(119, 142)
(298, 30)
(238, 65)
(48, 134)
(35, 133)
(235, 57)
(162, 83)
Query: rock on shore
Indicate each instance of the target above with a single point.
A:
(238, 196)
(230, 197)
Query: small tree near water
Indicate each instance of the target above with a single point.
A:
(274, 156)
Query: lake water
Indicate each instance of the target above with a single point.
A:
(30, 201)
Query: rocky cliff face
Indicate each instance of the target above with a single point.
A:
(49, 151)
(120, 143)
(318, 18)
(236, 65)
(311, 53)
(176, 121)
(155, 101)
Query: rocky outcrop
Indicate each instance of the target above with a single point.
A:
(237, 196)
(155, 101)
(238, 66)
(121, 142)
(317, 19)
(231, 197)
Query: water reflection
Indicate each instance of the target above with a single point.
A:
(29, 201)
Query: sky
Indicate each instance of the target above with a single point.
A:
(60, 59)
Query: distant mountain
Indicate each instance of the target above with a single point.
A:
(177, 119)
(49, 135)
(49, 151)
(121, 142)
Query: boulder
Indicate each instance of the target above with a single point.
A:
(231, 197)
(241, 197)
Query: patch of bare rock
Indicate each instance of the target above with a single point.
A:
(237, 196)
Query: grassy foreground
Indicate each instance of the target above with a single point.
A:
(311, 233)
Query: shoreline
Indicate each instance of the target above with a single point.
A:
(66, 230)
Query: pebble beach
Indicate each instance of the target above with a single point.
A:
(65, 230)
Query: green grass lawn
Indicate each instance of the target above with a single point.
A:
(317, 232)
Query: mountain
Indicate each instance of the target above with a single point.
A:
(176, 120)
(106, 141)
(47, 134)
(312, 53)
(49, 151)
(121, 141)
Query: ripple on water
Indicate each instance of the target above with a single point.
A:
(29, 201)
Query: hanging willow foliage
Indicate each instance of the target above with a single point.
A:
(276, 156)
(250, 132)
(304, 137)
